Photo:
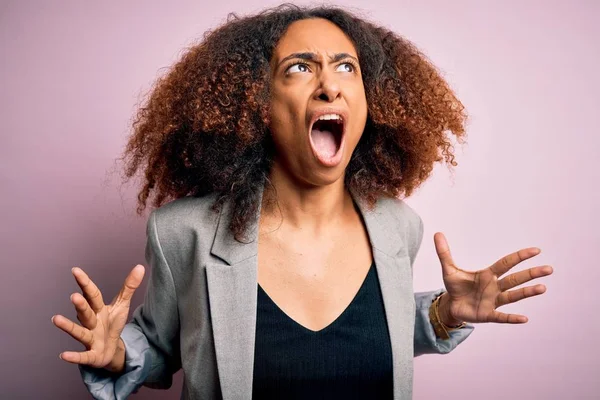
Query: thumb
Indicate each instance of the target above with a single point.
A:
(443, 252)
(132, 282)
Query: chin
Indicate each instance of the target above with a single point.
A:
(319, 176)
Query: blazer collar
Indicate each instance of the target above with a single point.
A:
(380, 221)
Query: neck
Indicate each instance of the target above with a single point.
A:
(303, 206)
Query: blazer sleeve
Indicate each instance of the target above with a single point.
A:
(425, 340)
(151, 338)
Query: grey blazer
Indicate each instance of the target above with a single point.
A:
(199, 311)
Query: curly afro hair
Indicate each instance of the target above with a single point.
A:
(204, 125)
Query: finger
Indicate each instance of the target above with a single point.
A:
(504, 264)
(90, 291)
(512, 296)
(83, 357)
(443, 252)
(85, 314)
(503, 318)
(521, 277)
(77, 332)
(132, 282)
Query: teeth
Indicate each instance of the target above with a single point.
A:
(328, 117)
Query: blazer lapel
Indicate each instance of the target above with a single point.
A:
(232, 293)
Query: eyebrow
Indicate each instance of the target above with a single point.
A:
(313, 57)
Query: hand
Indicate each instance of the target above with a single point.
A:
(475, 296)
(101, 324)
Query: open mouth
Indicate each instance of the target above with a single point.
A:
(326, 135)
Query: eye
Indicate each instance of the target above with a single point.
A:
(347, 67)
(298, 67)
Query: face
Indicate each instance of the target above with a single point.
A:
(318, 103)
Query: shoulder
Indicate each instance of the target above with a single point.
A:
(404, 216)
(184, 217)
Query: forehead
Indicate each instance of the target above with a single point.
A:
(315, 35)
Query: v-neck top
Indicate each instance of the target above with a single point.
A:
(351, 358)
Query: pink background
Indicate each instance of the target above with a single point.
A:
(71, 75)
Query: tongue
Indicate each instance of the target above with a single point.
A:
(324, 143)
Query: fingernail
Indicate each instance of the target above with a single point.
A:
(60, 356)
(52, 319)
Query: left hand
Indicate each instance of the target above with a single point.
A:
(474, 296)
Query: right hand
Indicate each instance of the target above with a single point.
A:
(101, 324)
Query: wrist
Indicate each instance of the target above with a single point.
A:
(117, 364)
(444, 311)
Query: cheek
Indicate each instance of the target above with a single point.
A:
(285, 119)
(281, 132)
(277, 119)
(363, 101)
(359, 110)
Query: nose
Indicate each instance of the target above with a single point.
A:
(329, 89)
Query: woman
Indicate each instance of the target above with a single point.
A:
(283, 267)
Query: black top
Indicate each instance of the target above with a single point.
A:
(349, 359)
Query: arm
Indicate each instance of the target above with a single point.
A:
(151, 339)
